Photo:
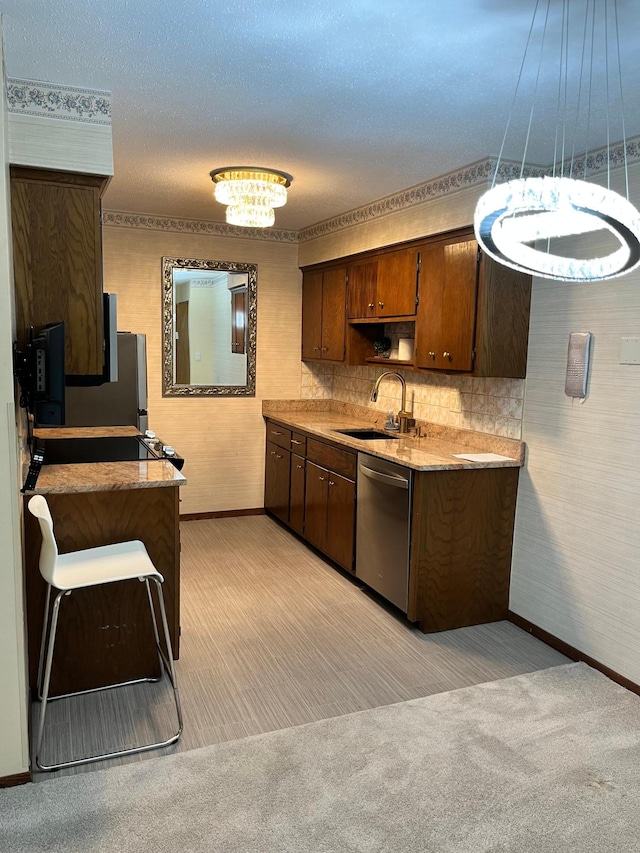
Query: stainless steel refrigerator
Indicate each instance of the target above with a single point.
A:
(119, 403)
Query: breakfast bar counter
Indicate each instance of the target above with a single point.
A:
(96, 504)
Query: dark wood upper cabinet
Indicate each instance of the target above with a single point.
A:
(397, 283)
(361, 289)
(472, 313)
(384, 287)
(324, 314)
(447, 309)
(57, 255)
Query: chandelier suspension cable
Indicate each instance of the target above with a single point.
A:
(535, 90)
(593, 40)
(606, 65)
(580, 85)
(515, 95)
(561, 108)
(624, 130)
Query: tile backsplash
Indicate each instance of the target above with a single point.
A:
(492, 405)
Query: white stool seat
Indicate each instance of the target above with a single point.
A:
(90, 567)
(105, 564)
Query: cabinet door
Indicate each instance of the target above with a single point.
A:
(315, 505)
(397, 283)
(447, 310)
(312, 315)
(361, 290)
(334, 323)
(57, 254)
(341, 504)
(296, 495)
(276, 481)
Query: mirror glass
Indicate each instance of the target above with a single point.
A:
(209, 328)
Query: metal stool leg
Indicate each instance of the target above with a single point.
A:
(43, 641)
(166, 664)
(169, 663)
(47, 675)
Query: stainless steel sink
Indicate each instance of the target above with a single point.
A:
(367, 434)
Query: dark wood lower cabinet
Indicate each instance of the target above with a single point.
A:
(302, 488)
(341, 517)
(330, 504)
(461, 542)
(276, 482)
(315, 505)
(461, 526)
(296, 493)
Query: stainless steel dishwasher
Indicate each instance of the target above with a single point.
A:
(383, 527)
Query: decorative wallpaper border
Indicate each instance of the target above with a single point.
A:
(473, 175)
(31, 97)
(194, 226)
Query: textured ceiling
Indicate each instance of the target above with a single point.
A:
(356, 100)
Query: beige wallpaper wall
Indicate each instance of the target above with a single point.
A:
(576, 566)
(221, 439)
(13, 682)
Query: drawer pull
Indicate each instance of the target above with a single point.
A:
(322, 479)
(295, 441)
(331, 483)
(300, 467)
(275, 432)
(273, 453)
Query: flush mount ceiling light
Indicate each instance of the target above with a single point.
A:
(250, 193)
(511, 218)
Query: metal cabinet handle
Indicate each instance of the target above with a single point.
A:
(279, 456)
(371, 305)
(324, 349)
(275, 432)
(331, 483)
(316, 349)
(322, 478)
(273, 453)
(299, 467)
(446, 354)
(381, 304)
(295, 441)
(432, 355)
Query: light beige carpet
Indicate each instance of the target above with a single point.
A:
(546, 762)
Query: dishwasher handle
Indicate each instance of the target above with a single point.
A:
(389, 479)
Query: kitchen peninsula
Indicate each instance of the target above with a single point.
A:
(461, 510)
(99, 639)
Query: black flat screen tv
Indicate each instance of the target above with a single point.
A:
(47, 375)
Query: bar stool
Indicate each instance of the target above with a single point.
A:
(65, 573)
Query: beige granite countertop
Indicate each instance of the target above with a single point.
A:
(433, 451)
(102, 476)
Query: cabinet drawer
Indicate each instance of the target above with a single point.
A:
(279, 435)
(298, 443)
(333, 458)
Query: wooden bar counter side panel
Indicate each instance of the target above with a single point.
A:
(462, 537)
(105, 634)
